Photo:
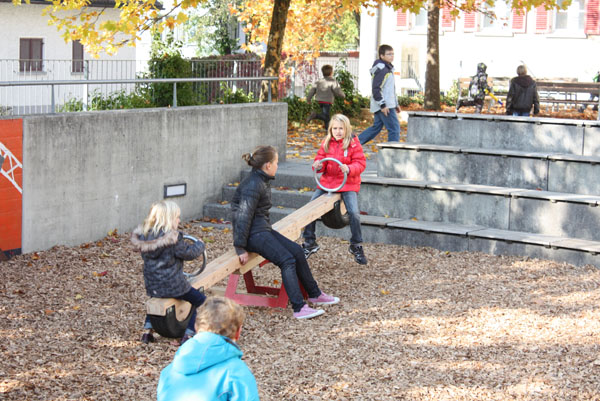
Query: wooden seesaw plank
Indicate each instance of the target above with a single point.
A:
(228, 263)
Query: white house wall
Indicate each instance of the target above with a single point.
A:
(546, 55)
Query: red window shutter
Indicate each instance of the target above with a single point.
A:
(592, 17)
(470, 21)
(401, 19)
(519, 20)
(447, 19)
(542, 20)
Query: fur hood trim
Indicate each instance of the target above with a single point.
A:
(149, 245)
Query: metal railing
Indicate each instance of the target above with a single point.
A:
(133, 82)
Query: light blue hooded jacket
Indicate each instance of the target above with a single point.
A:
(206, 367)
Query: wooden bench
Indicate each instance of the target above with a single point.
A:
(228, 263)
(560, 92)
(499, 87)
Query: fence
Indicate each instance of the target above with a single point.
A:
(22, 99)
(306, 74)
(174, 81)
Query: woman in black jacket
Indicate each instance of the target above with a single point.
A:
(522, 95)
(163, 251)
(252, 232)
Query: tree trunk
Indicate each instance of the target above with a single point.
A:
(274, 46)
(432, 73)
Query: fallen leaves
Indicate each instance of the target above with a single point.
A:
(415, 323)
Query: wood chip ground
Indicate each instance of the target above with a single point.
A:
(414, 324)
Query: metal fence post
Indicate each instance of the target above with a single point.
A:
(86, 76)
(52, 106)
(174, 94)
(270, 89)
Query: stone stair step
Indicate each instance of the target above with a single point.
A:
(579, 137)
(498, 167)
(540, 212)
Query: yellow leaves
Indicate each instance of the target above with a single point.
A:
(226, 230)
(384, 292)
(224, 202)
(207, 229)
(279, 207)
(182, 17)
(78, 297)
(305, 189)
(170, 23)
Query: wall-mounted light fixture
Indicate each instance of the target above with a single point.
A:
(175, 190)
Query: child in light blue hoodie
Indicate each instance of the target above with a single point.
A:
(209, 366)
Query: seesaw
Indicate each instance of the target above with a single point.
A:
(170, 316)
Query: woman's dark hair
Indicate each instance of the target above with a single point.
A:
(259, 156)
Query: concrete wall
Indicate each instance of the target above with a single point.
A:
(87, 173)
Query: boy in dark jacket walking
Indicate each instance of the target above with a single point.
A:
(384, 102)
(326, 90)
(522, 95)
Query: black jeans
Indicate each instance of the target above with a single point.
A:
(289, 257)
(324, 114)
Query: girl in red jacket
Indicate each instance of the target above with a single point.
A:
(342, 145)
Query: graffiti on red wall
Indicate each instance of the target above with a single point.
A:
(11, 185)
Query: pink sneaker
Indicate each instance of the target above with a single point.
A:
(307, 312)
(324, 299)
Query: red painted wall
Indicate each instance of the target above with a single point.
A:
(11, 137)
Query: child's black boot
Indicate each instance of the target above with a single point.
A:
(359, 254)
(309, 248)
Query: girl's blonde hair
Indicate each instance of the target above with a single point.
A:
(221, 316)
(260, 156)
(347, 131)
(161, 217)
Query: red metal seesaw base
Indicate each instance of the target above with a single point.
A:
(272, 297)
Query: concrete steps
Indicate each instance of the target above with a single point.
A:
(529, 134)
(456, 217)
(507, 168)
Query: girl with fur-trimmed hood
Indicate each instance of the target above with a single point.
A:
(163, 251)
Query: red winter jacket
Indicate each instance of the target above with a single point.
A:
(353, 157)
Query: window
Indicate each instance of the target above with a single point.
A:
(571, 19)
(77, 56)
(31, 55)
(420, 21)
(501, 12)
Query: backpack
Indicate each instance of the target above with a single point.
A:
(474, 87)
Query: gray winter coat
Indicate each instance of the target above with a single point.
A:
(326, 90)
(163, 257)
(383, 86)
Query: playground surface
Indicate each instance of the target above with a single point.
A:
(414, 324)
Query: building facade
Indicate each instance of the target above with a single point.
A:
(551, 43)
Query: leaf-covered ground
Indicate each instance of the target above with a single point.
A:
(414, 324)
